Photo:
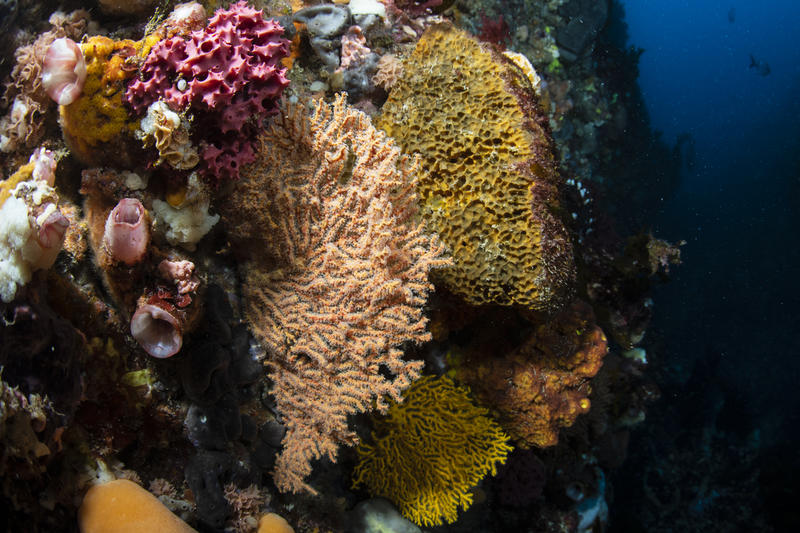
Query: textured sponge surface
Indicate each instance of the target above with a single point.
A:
(489, 180)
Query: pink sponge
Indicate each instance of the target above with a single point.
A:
(158, 76)
(238, 54)
(225, 158)
(227, 73)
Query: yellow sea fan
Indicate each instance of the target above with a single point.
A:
(430, 451)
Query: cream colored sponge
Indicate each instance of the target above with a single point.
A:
(122, 506)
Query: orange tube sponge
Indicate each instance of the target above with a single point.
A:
(122, 506)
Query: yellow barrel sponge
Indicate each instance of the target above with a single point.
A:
(490, 185)
(122, 506)
(430, 451)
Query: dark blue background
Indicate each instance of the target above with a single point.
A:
(738, 292)
(725, 341)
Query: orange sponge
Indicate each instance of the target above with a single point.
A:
(122, 506)
(272, 523)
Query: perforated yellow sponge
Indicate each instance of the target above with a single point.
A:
(489, 180)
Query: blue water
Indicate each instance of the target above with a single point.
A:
(695, 77)
(737, 296)
(738, 292)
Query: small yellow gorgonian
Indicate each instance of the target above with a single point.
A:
(430, 451)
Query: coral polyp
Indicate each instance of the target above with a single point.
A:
(430, 450)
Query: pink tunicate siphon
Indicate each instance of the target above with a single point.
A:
(45, 165)
(52, 230)
(64, 71)
(158, 331)
(126, 233)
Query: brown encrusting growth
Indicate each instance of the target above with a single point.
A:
(340, 275)
(544, 384)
